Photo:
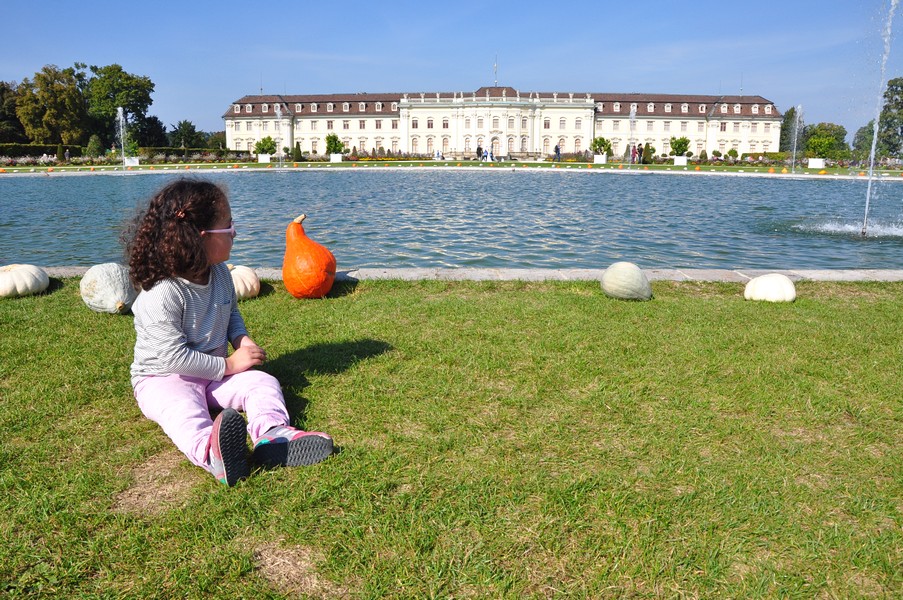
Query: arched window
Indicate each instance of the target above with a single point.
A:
(236, 108)
(755, 109)
(329, 107)
(577, 144)
(265, 108)
(702, 108)
(248, 108)
(650, 107)
(667, 108)
(379, 106)
(616, 107)
(345, 107)
(362, 106)
(736, 109)
(684, 107)
(299, 108)
(510, 145)
(523, 144)
(414, 145)
(395, 106)
(313, 107)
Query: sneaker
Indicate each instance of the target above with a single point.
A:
(284, 446)
(227, 452)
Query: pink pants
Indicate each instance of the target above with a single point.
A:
(181, 405)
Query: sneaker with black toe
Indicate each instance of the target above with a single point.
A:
(227, 451)
(285, 446)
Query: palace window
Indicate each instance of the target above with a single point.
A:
(650, 107)
(329, 107)
(394, 108)
(633, 107)
(248, 108)
(313, 146)
(467, 123)
(298, 108)
(345, 107)
(736, 127)
(329, 125)
(510, 122)
(683, 126)
(700, 127)
(265, 108)
(313, 107)
(429, 123)
(444, 123)
(378, 123)
(768, 110)
(414, 145)
(523, 123)
(736, 109)
(362, 124)
(480, 123)
(562, 123)
(265, 125)
(667, 108)
(395, 146)
(650, 125)
(755, 109)
(546, 124)
(495, 122)
(616, 126)
(754, 127)
(236, 108)
(684, 108)
(523, 144)
(702, 108)
(724, 109)
(510, 145)
(767, 127)
(313, 125)
(667, 125)
(248, 128)
(394, 123)
(429, 145)
(467, 144)
(414, 124)
(616, 107)
(362, 106)
(577, 143)
(578, 124)
(723, 126)
(379, 106)
(445, 145)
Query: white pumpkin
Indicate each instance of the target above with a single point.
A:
(107, 288)
(773, 287)
(245, 280)
(22, 280)
(626, 281)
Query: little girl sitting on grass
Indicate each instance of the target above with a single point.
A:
(186, 314)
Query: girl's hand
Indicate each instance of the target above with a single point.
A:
(247, 355)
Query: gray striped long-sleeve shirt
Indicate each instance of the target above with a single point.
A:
(185, 328)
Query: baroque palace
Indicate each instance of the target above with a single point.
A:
(504, 120)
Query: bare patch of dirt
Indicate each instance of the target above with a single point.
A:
(293, 570)
(159, 484)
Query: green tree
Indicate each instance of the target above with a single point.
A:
(827, 140)
(334, 144)
(216, 140)
(890, 123)
(265, 146)
(184, 133)
(149, 131)
(11, 130)
(679, 146)
(648, 154)
(95, 147)
(110, 88)
(789, 129)
(52, 107)
(600, 145)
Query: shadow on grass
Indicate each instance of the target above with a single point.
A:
(291, 369)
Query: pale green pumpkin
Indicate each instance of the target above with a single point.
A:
(107, 288)
(22, 280)
(626, 281)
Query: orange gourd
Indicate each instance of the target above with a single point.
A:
(308, 269)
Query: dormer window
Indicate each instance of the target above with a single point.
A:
(313, 107)
(684, 108)
(345, 107)
(667, 108)
(755, 109)
(362, 106)
(768, 110)
(379, 106)
(394, 106)
(299, 107)
(329, 107)
(736, 109)
(616, 107)
(236, 108)
(702, 108)
(650, 107)
(265, 108)
(724, 108)
(248, 108)
(633, 107)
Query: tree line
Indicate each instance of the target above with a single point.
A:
(78, 106)
(828, 140)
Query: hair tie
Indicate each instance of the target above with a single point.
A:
(180, 214)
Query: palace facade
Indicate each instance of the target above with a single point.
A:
(505, 121)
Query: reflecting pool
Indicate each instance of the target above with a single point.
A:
(512, 218)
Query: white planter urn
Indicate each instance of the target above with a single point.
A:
(335, 157)
(680, 161)
(600, 159)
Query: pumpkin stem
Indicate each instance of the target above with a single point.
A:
(299, 219)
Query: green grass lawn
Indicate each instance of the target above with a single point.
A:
(497, 440)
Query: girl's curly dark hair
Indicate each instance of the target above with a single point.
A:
(164, 239)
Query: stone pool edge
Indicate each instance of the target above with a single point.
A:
(468, 274)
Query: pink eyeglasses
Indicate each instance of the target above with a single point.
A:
(230, 231)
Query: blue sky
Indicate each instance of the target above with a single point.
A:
(823, 54)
